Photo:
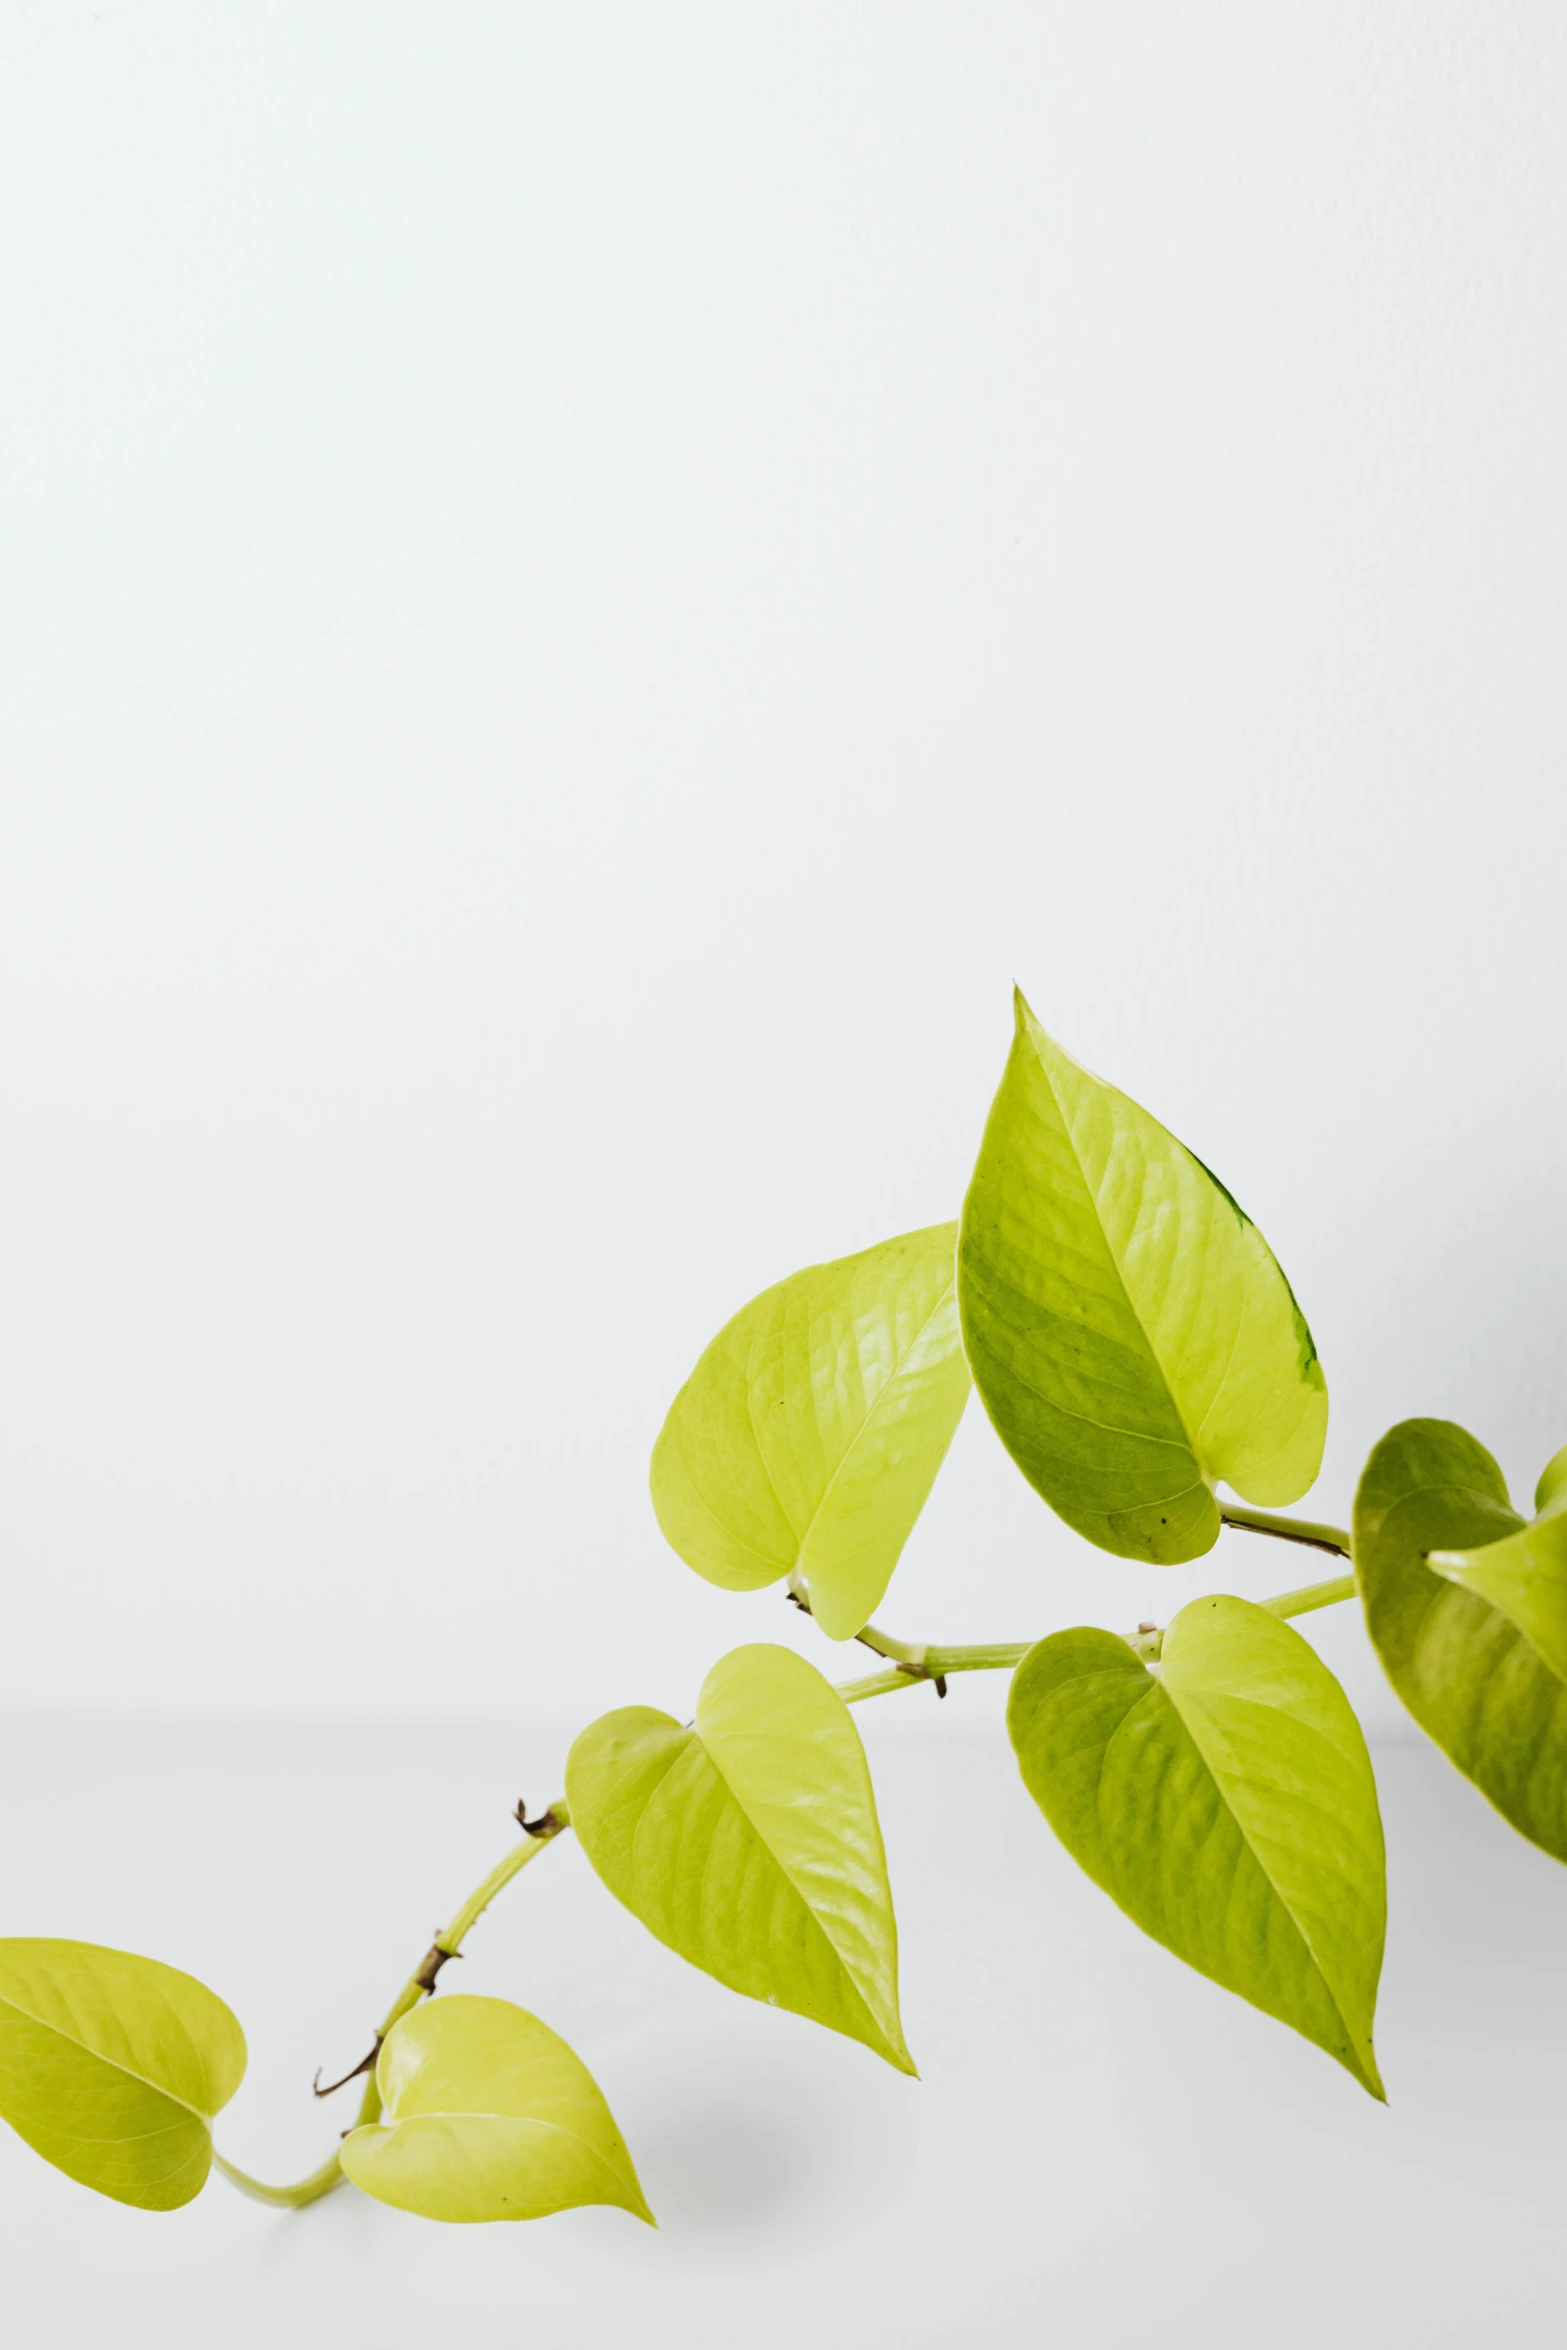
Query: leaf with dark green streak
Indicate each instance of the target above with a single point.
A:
(1129, 1329)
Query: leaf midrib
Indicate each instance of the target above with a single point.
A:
(531, 2121)
(1110, 1249)
(888, 1384)
(787, 1873)
(1273, 1885)
(143, 2080)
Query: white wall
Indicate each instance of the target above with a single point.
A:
(584, 587)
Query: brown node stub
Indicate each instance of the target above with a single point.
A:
(545, 1826)
(431, 1964)
(363, 2066)
(1147, 1627)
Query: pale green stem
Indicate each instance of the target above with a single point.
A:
(1001, 1656)
(897, 1652)
(418, 1986)
(991, 1657)
(932, 1664)
(1287, 1529)
(1311, 1595)
(422, 1981)
(919, 1663)
(878, 1685)
(557, 1818)
(320, 2182)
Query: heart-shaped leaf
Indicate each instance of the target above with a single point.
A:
(1128, 1328)
(112, 2067)
(1225, 1799)
(487, 2114)
(1475, 1673)
(749, 1841)
(809, 1435)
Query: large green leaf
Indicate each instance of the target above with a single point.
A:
(748, 1841)
(487, 2114)
(1225, 1799)
(1458, 1644)
(1129, 1330)
(112, 2067)
(809, 1435)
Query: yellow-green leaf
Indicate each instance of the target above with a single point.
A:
(810, 1433)
(1224, 1798)
(487, 2114)
(748, 1841)
(1524, 1575)
(1476, 1674)
(1128, 1328)
(112, 2067)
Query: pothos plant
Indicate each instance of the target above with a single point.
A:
(1137, 1348)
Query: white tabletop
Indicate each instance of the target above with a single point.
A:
(1100, 2141)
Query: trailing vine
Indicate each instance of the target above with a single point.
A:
(1136, 1347)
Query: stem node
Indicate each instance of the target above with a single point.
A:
(366, 2064)
(549, 1823)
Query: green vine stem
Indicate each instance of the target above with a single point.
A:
(914, 1665)
(1312, 1595)
(935, 1665)
(320, 2182)
(1332, 1538)
(420, 1984)
(939, 1662)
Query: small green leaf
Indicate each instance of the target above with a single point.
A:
(112, 2067)
(809, 1435)
(749, 1841)
(1225, 1800)
(1129, 1330)
(1552, 1487)
(1524, 1576)
(1469, 1646)
(487, 2114)
(1551, 1484)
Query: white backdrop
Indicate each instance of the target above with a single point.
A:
(584, 587)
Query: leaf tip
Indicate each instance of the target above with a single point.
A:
(1365, 2070)
(1553, 1481)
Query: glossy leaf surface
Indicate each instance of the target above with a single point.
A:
(487, 2114)
(749, 1842)
(809, 1435)
(112, 2067)
(1524, 1576)
(1128, 1328)
(1466, 1668)
(1225, 1800)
